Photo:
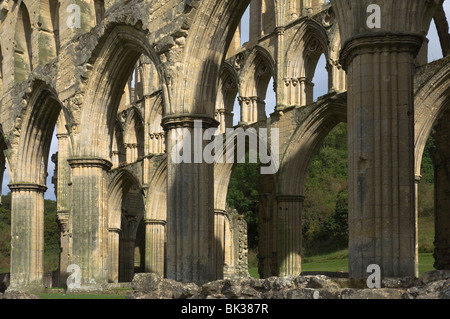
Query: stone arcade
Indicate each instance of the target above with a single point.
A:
(121, 80)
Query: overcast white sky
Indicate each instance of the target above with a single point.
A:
(320, 80)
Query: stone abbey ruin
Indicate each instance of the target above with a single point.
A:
(124, 81)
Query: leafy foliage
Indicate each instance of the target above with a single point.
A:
(324, 219)
(243, 196)
(325, 210)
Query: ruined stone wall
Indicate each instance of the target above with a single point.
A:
(431, 285)
(134, 72)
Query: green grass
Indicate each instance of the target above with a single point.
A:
(426, 261)
(338, 262)
(333, 262)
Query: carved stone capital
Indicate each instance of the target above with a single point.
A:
(155, 222)
(30, 187)
(187, 121)
(90, 162)
(379, 42)
(220, 212)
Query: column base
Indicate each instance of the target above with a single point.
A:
(33, 288)
(91, 288)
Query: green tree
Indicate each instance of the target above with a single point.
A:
(244, 197)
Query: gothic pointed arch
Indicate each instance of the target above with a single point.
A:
(118, 151)
(125, 213)
(134, 135)
(305, 140)
(226, 96)
(157, 136)
(114, 60)
(255, 76)
(28, 184)
(432, 98)
(36, 133)
(23, 53)
(304, 51)
(210, 34)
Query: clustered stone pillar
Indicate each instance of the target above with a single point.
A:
(63, 227)
(381, 153)
(225, 118)
(113, 241)
(442, 192)
(190, 203)
(253, 109)
(219, 233)
(298, 91)
(131, 152)
(27, 237)
(89, 220)
(62, 195)
(289, 235)
(155, 241)
(126, 249)
(266, 244)
(282, 86)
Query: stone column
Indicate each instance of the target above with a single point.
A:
(113, 241)
(260, 110)
(244, 103)
(155, 242)
(190, 202)
(63, 173)
(381, 40)
(221, 118)
(417, 180)
(27, 237)
(126, 259)
(289, 235)
(292, 10)
(2, 172)
(89, 220)
(282, 84)
(219, 234)
(337, 80)
(255, 20)
(266, 243)
(287, 93)
(305, 91)
(442, 193)
(381, 154)
(63, 225)
(62, 199)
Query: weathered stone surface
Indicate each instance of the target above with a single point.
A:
(17, 295)
(302, 287)
(434, 275)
